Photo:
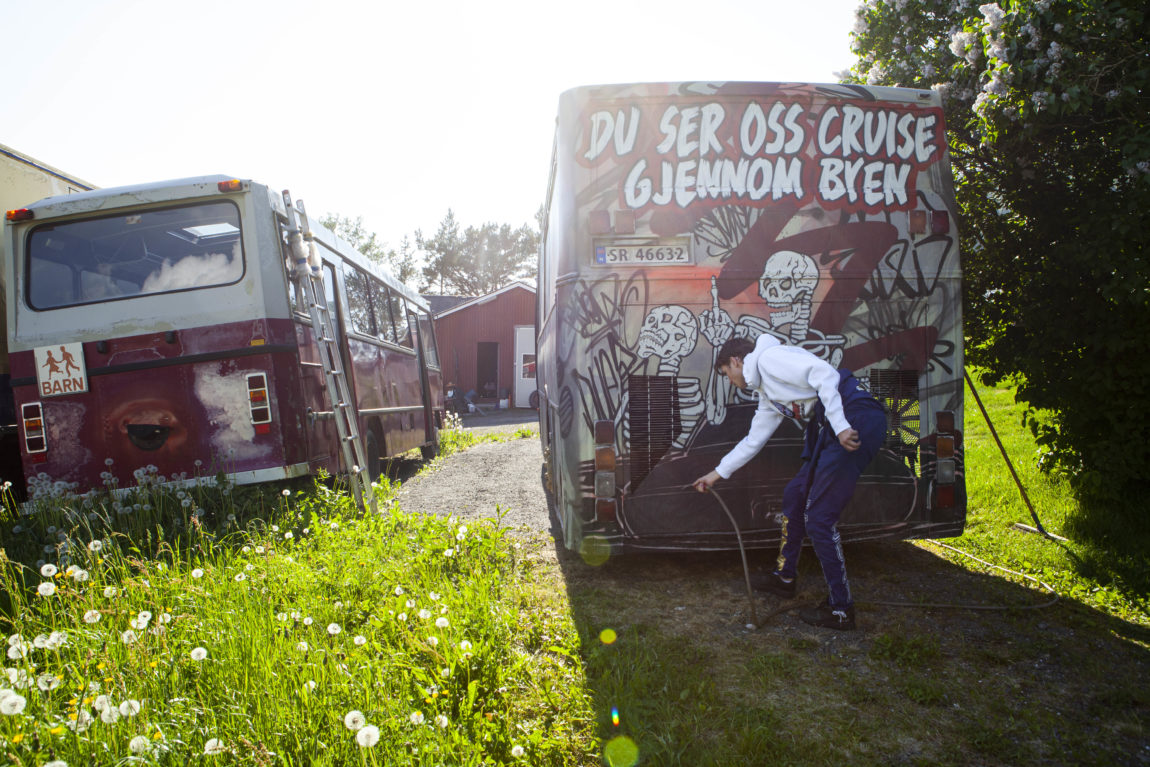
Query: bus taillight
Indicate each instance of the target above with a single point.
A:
(605, 471)
(20, 214)
(35, 438)
(944, 464)
(258, 402)
(232, 185)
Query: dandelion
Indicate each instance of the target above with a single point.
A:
(354, 721)
(139, 744)
(47, 682)
(214, 746)
(333, 628)
(360, 641)
(449, 553)
(308, 621)
(286, 493)
(310, 685)
(92, 616)
(48, 570)
(110, 715)
(517, 751)
(240, 578)
(402, 617)
(199, 653)
(46, 589)
(368, 736)
(433, 641)
(95, 546)
(441, 623)
(465, 646)
(445, 672)
(288, 535)
(56, 763)
(129, 708)
(128, 637)
(13, 704)
(166, 618)
(281, 617)
(399, 591)
(302, 646)
(110, 591)
(260, 549)
(417, 718)
(441, 721)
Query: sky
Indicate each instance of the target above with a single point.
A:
(390, 112)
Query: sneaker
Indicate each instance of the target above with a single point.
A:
(825, 616)
(773, 584)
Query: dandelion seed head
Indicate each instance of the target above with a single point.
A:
(95, 546)
(199, 653)
(46, 589)
(110, 591)
(128, 637)
(360, 641)
(139, 744)
(48, 570)
(333, 628)
(517, 752)
(441, 623)
(214, 746)
(354, 720)
(110, 715)
(367, 736)
(417, 718)
(130, 708)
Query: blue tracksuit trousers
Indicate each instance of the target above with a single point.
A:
(814, 500)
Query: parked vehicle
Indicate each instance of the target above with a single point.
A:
(679, 215)
(162, 325)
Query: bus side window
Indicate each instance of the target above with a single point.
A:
(427, 338)
(381, 305)
(399, 314)
(358, 301)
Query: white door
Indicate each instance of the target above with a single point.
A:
(524, 364)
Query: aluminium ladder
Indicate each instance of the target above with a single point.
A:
(309, 275)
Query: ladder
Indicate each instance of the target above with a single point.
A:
(309, 277)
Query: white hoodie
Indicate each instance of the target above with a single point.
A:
(786, 378)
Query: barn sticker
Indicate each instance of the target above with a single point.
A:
(60, 370)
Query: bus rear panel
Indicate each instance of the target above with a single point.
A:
(155, 330)
(680, 215)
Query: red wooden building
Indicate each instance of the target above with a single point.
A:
(487, 344)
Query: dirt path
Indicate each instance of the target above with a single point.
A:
(488, 479)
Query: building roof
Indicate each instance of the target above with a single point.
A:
(466, 303)
(440, 304)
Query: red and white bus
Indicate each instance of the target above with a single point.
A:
(159, 326)
(681, 214)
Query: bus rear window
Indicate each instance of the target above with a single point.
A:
(134, 254)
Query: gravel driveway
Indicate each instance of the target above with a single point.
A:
(474, 482)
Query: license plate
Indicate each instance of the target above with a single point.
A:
(672, 254)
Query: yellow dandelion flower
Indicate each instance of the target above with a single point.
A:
(153, 664)
(57, 730)
(17, 738)
(101, 666)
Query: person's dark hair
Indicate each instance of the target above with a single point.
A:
(734, 347)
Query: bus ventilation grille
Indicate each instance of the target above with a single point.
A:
(897, 390)
(653, 416)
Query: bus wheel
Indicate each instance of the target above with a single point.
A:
(429, 451)
(533, 400)
(374, 465)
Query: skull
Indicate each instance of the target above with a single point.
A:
(668, 332)
(788, 282)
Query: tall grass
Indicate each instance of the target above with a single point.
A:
(287, 629)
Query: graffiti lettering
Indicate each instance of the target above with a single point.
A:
(854, 157)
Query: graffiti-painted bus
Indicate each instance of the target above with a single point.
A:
(679, 215)
(160, 326)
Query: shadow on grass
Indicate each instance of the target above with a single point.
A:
(674, 671)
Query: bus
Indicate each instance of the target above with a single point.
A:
(160, 326)
(679, 215)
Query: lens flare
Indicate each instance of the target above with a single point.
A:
(615, 715)
(621, 752)
(595, 550)
(608, 636)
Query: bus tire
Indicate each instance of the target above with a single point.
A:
(429, 451)
(533, 400)
(374, 464)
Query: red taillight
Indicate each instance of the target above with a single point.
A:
(258, 399)
(35, 438)
(20, 214)
(232, 185)
(944, 496)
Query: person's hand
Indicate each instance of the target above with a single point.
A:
(849, 439)
(703, 483)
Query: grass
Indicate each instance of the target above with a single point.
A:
(643, 660)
